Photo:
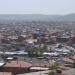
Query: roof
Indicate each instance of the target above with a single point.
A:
(5, 73)
(70, 48)
(16, 63)
(67, 60)
(53, 54)
(10, 58)
(38, 68)
(12, 37)
(31, 40)
(73, 57)
(1, 62)
(16, 52)
(36, 73)
(62, 50)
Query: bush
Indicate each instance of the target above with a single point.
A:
(55, 66)
(51, 73)
(74, 64)
(59, 71)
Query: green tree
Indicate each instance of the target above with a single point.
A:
(74, 64)
(45, 48)
(51, 73)
(55, 66)
(30, 51)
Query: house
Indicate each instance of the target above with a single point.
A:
(6, 73)
(16, 67)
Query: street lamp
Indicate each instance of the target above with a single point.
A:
(40, 58)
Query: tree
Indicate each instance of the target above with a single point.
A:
(55, 69)
(30, 51)
(51, 40)
(55, 66)
(51, 73)
(74, 64)
(45, 48)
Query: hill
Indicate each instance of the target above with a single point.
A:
(37, 17)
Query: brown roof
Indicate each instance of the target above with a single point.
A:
(5, 73)
(73, 57)
(18, 64)
(68, 60)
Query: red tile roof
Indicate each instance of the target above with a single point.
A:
(5, 73)
(18, 64)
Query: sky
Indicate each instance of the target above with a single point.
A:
(48, 7)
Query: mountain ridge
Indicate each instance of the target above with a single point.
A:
(37, 17)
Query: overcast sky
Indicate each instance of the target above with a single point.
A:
(49, 7)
